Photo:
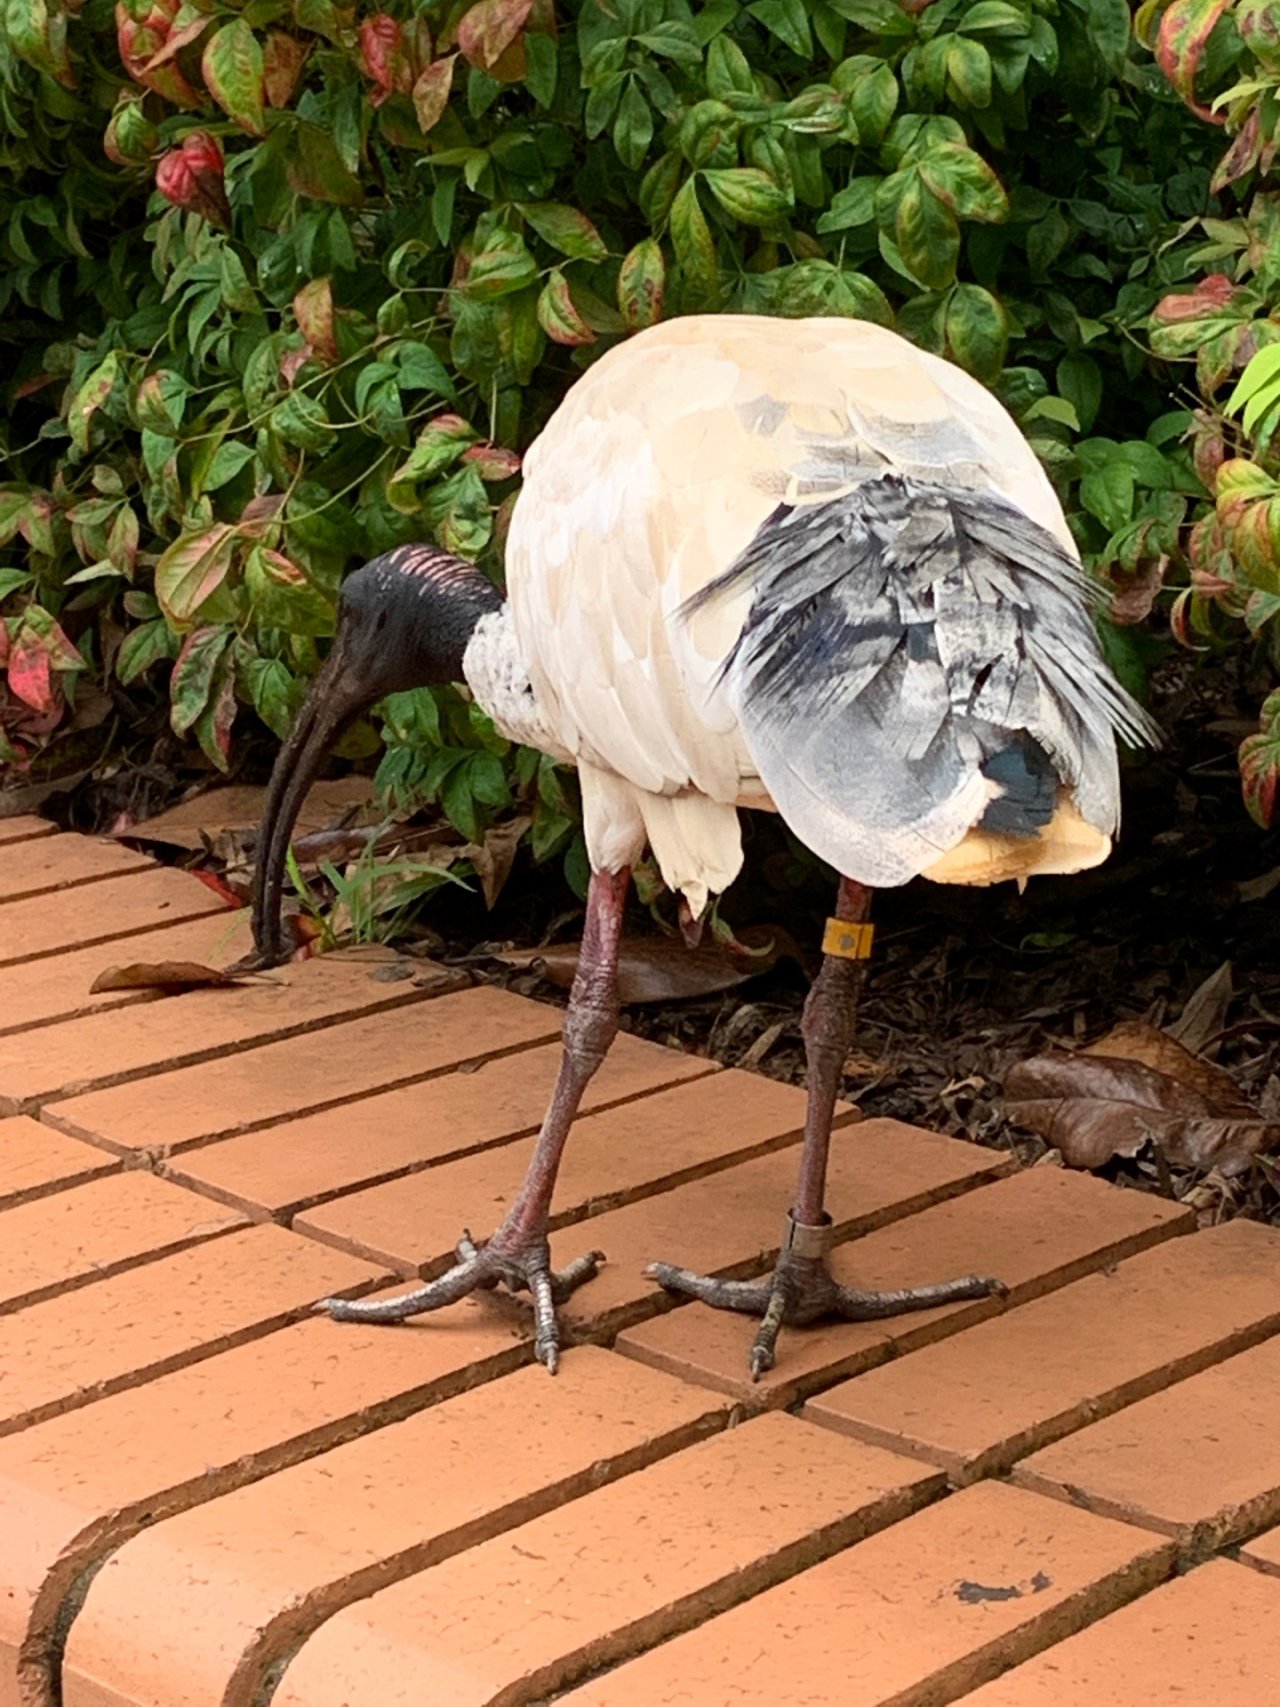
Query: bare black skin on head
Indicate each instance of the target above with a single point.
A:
(404, 621)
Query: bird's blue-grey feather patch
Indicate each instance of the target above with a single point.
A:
(917, 660)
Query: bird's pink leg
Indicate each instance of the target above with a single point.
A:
(518, 1252)
(801, 1288)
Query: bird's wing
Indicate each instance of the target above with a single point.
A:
(917, 661)
(654, 475)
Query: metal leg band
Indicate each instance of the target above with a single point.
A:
(803, 1240)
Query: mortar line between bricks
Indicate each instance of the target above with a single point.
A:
(67, 1402)
(1196, 1542)
(113, 936)
(1003, 1458)
(81, 882)
(51, 1188)
(1264, 1567)
(105, 1005)
(283, 1213)
(149, 1156)
(46, 828)
(602, 1653)
(108, 1270)
(214, 1052)
(252, 1683)
(64, 1587)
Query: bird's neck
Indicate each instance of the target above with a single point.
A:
(495, 670)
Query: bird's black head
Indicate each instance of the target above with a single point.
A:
(404, 621)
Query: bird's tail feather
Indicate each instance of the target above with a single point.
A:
(915, 660)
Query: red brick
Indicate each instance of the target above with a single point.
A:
(1206, 1637)
(911, 1617)
(276, 1081)
(25, 829)
(35, 1160)
(108, 1048)
(58, 986)
(416, 1126)
(197, 1607)
(1199, 1461)
(880, 1171)
(1035, 1231)
(1027, 1377)
(60, 862)
(68, 1351)
(658, 1552)
(623, 1153)
(76, 1487)
(101, 912)
(97, 1229)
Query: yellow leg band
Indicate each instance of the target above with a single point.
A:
(849, 942)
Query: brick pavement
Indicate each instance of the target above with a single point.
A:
(208, 1495)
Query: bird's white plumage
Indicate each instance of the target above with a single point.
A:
(650, 479)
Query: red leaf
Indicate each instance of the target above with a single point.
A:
(381, 52)
(29, 673)
(1184, 31)
(191, 177)
(1216, 291)
(493, 462)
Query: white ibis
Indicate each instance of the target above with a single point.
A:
(791, 564)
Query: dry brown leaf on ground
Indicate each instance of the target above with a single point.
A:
(1201, 1021)
(662, 969)
(1136, 1040)
(161, 975)
(1137, 1086)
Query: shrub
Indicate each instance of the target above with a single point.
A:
(289, 284)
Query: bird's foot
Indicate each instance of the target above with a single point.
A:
(522, 1265)
(802, 1289)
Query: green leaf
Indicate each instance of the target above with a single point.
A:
(419, 368)
(1260, 765)
(728, 70)
(642, 282)
(873, 100)
(926, 232)
(1107, 493)
(977, 331)
(558, 316)
(962, 179)
(748, 195)
(232, 67)
(502, 266)
(1080, 382)
(566, 229)
(788, 20)
(854, 205)
(694, 245)
(300, 420)
(633, 127)
(90, 398)
(969, 72)
(314, 166)
(142, 647)
(192, 569)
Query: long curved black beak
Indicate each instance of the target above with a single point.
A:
(336, 699)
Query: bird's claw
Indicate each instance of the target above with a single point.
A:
(520, 1266)
(802, 1289)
